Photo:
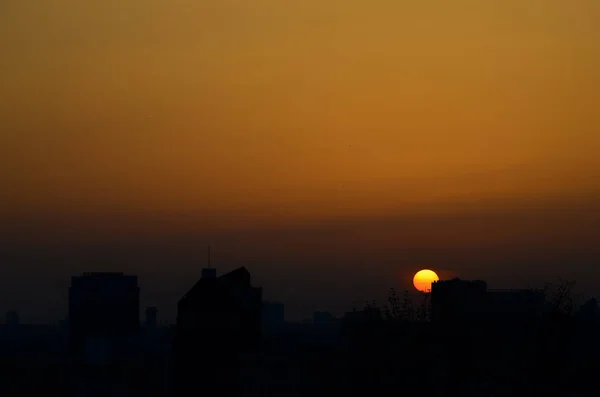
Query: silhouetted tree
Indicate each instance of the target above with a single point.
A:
(393, 309)
(559, 297)
(409, 312)
(555, 336)
(398, 308)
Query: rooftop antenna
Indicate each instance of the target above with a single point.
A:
(208, 256)
(208, 272)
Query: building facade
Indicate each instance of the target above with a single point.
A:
(103, 307)
(218, 321)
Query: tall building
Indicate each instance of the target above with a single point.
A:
(486, 333)
(103, 310)
(457, 300)
(589, 310)
(218, 321)
(512, 304)
(468, 300)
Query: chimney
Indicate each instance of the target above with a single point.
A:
(209, 273)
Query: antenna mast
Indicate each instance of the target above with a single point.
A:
(208, 256)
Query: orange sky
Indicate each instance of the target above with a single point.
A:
(275, 111)
(314, 107)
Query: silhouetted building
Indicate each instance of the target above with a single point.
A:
(218, 320)
(32, 361)
(490, 334)
(151, 317)
(273, 318)
(589, 311)
(457, 300)
(460, 300)
(323, 318)
(366, 316)
(209, 273)
(103, 308)
(512, 304)
(12, 318)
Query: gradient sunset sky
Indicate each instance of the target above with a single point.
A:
(330, 146)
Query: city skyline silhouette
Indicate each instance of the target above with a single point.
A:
(229, 198)
(227, 338)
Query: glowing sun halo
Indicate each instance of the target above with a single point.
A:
(423, 279)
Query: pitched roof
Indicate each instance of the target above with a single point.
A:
(239, 277)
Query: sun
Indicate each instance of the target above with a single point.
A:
(423, 279)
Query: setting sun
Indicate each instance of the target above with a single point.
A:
(423, 279)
